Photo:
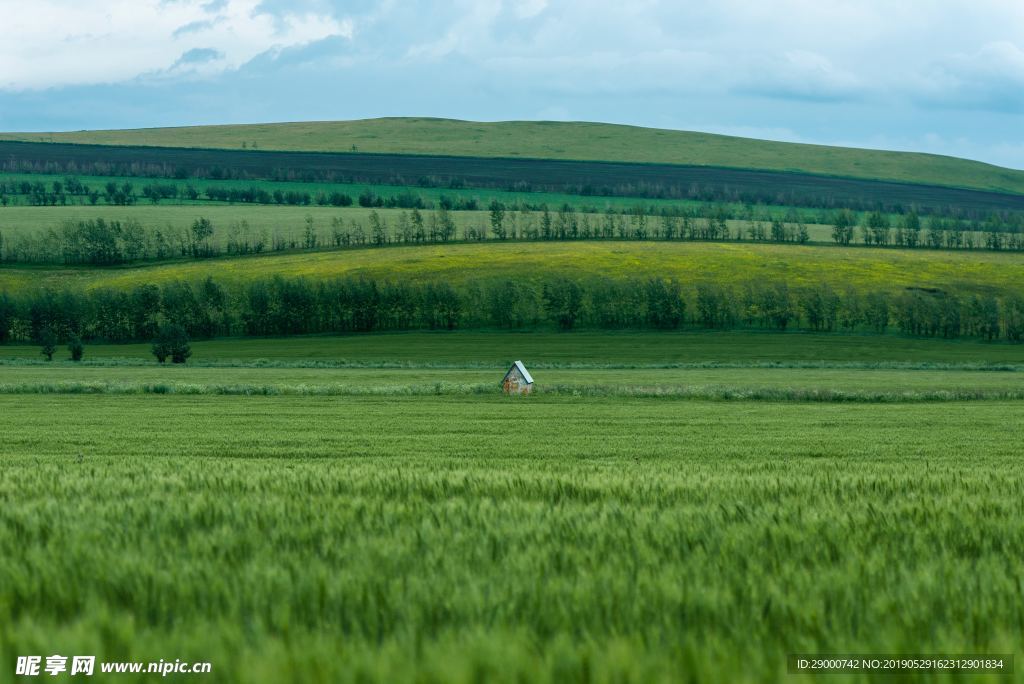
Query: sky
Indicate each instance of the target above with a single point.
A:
(943, 76)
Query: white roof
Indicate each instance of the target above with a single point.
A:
(522, 369)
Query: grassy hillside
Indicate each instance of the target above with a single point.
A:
(873, 269)
(561, 140)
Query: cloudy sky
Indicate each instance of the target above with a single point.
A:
(942, 76)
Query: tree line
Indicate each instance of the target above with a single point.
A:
(293, 306)
(105, 242)
(71, 190)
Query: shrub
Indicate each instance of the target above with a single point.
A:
(48, 342)
(76, 348)
(171, 341)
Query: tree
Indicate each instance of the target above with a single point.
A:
(7, 316)
(202, 229)
(309, 239)
(563, 301)
(378, 229)
(878, 228)
(171, 341)
(48, 342)
(911, 229)
(842, 227)
(545, 224)
(876, 311)
(802, 236)
(498, 219)
(418, 234)
(76, 348)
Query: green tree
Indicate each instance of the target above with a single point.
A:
(309, 238)
(76, 348)
(47, 343)
(202, 230)
(498, 219)
(171, 341)
(878, 228)
(842, 227)
(378, 229)
(545, 224)
(418, 233)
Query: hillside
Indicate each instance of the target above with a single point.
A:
(563, 141)
(691, 262)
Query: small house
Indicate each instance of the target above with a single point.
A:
(518, 380)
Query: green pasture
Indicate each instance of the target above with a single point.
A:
(561, 140)
(469, 349)
(690, 262)
(858, 382)
(467, 539)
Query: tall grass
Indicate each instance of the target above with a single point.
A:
(466, 539)
(703, 393)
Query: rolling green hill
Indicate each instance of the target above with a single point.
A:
(691, 262)
(561, 140)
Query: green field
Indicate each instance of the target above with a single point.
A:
(818, 384)
(558, 140)
(464, 536)
(483, 539)
(689, 261)
(686, 506)
(430, 195)
(591, 349)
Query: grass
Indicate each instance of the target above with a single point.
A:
(792, 384)
(799, 266)
(562, 140)
(593, 350)
(462, 539)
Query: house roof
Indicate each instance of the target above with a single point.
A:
(522, 369)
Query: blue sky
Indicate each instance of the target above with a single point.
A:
(940, 76)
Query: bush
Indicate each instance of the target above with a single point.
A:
(48, 342)
(76, 348)
(171, 341)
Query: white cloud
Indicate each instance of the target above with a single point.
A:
(991, 76)
(866, 72)
(47, 43)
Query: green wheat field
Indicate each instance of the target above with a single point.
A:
(416, 525)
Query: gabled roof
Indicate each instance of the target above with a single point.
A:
(522, 369)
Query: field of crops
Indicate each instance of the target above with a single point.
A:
(690, 262)
(550, 175)
(808, 384)
(463, 539)
(560, 141)
(691, 505)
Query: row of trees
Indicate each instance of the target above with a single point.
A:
(70, 190)
(716, 186)
(909, 231)
(109, 242)
(282, 306)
